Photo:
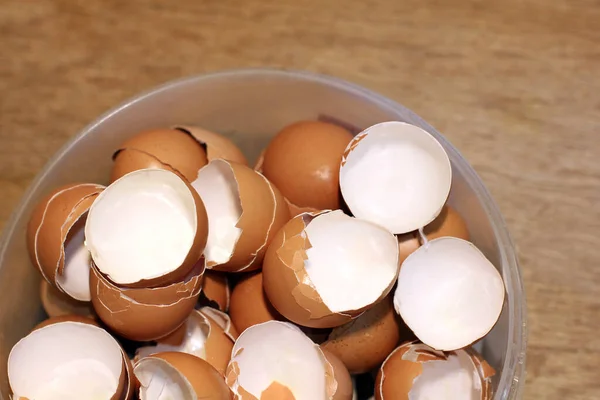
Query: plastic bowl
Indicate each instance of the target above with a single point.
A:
(251, 105)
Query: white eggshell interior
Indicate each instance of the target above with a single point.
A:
(449, 293)
(159, 380)
(194, 341)
(66, 361)
(279, 352)
(75, 280)
(396, 175)
(351, 262)
(452, 379)
(142, 226)
(218, 189)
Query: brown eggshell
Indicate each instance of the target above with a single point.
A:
(364, 343)
(145, 314)
(57, 303)
(249, 303)
(287, 284)
(170, 149)
(262, 212)
(343, 382)
(275, 391)
(307, 154)
(223, 320)
(447, 223)
(66, 318)
(50, 222)
(217, 146)
(405, 364)
(216, 289)
(206, 381)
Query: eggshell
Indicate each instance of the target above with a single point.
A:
(145, 314)
(180, 373)
(48, 229)
(217, 146)
(263, 212)
(307, 154)
(363, 343)
(344, 388)
(80, 359)
(249, 303)
(57, 304)
(287, 283)
(114, 206)
(405, 369)
(448, 223)
(66, 318)
(223, 320)
(215, 289)
(170, 149)
(199, 336)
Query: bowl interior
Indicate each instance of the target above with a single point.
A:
(250, 106)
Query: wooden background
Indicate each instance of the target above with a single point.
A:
(513, 84)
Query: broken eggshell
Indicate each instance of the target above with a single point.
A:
(171, 149)
(215, 289)
(345, 387)
(217, 145)
(223, 320)
(175, 375)
(396, 175)
(55, 238)
(199, 336)
(364, 343)
(57, 303)
(244, 212)
(416, 371)
(470, 293)
(323, 270)
(148, 228)
(145, 314)
(68, 360)
(275, 360)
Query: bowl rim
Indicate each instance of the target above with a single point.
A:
(513, 371)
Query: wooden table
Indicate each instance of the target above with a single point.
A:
(514, 85)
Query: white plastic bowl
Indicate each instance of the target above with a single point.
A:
(250, 106)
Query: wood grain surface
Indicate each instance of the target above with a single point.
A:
(515, 85)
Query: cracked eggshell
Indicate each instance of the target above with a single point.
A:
(57, 303)
(307, 154)
(249, 303)
(396, 175)
(172, 149)
(216, 145)
(147, 229)
(215, 289)
(223, 320)
(448, 223)
(145, 314)
(416, 370)
(470, 300)
(55, 238)
(244, 213)
(68, 360)
(306, 272)
(364, 343)
(199, 336)
(179, 376)
(275, 360)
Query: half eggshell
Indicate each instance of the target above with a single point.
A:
(469, 293)
(275, 360)
(244, 213)
(199, 336)
(217, 146)
(174, 375)
(68, 360)
(145, 314)
(323, 270)
(147, 229)
(171, 149)
(416, 371)
(55, 238)
(396, 175)
(215, 290)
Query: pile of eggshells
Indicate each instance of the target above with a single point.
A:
(192, 275)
